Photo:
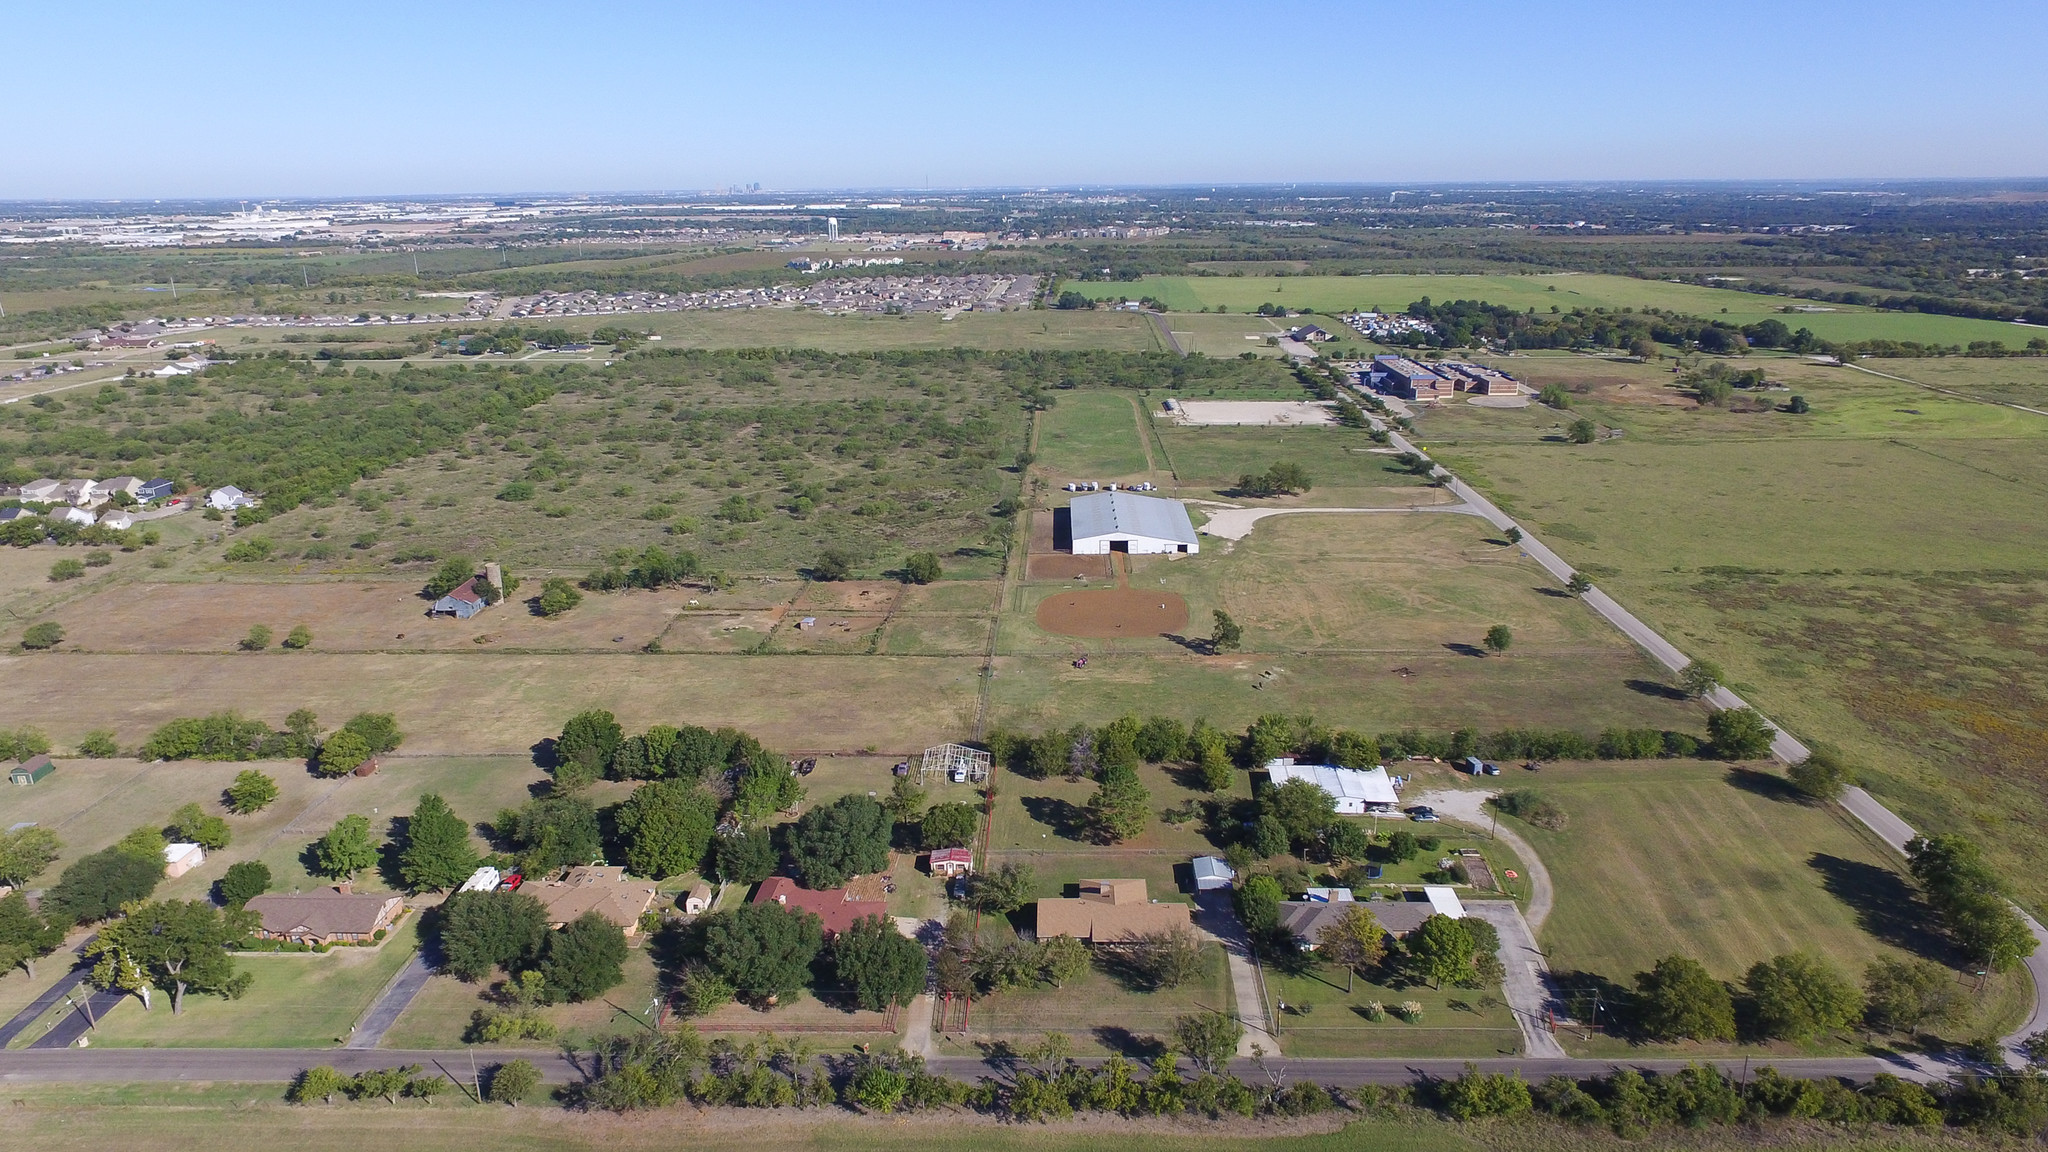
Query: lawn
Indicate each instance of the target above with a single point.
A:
(303, 1000)
(1091, 435)
(1332, 294)
(1322, 1019)
(1101, 1011)
(440, 1014)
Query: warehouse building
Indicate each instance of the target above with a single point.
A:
(1126, 522)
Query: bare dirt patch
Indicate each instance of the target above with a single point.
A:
(1279, 413)
(1066, 566)
(848, 596)
(1113, 612)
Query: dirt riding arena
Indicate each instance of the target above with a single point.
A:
(1066, 566)
(1271, 413)
(1112, 612)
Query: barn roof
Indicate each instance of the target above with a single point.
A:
(1129, 514)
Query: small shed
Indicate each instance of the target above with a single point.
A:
(366, 768)
(31, 770)
(462, 602)
(1212, 873)
(697, 900)
(182, 858)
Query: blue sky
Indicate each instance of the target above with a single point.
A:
(127, 99)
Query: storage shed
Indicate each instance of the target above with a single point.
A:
(31, 770)
(1104, 522)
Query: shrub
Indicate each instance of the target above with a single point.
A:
(299, 637)
(512, 1082)
(1528, 805)
(38, 637)
(250, 550)
(558, 596)
(66, 570)
(99, 744)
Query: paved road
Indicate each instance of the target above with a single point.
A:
(81, 1019)
(257, 1065)
(1527, 986)
(396, 998)
(1166, 333)
(39, 1005)
(1470, 807)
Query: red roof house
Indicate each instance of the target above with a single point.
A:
(949, 862)
(834, 906)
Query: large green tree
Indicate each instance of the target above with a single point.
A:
(25, 936)
(763, 950)
(346, 849)
(198, 826)
(244, 881)
(1904, 995)
(1970, 896)
(584, 958)
(552, 832)
(1798, 995)
(25, 853)
(949, 825)
(182, 945)
(341, 754)
(848, 837)
(1121, 806)
(1678, 1000)
(666, 826)
(95, 887)
(1441, 949)
(745, 857)
(1740, 734)
(252, 792)
(1303, 810)
(480, 931)
(437, 852)
(584, 749)
(878, 964)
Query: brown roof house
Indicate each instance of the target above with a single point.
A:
(834, 906)
(595, 888)
(325, 915)
(1109, 912)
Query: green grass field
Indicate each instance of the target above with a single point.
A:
(1871, 577)
(1333, 294)
(1094, 436)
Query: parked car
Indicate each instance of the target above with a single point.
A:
(511, 882)
(957, 888)
(1423, 814)
(1492, 769)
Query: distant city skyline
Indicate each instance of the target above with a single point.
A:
(135, 101)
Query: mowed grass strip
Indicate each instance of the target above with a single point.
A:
(1707, 861)
(1091, 435)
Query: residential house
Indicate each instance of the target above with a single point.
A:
(79, 493)
(834, 907)
(462, 603)
(132, 485)
(1109, 912)
(154, 490)
(697, 901)
(228, 499)
(70, 515)
(11, 514)
(182, 858)
(595, 888)
(324, 916)
(31, 770)
(1212, 873)
(1309, 334)
(119, 521)
(950, 862)
(41, 491)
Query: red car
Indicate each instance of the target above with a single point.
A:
(511, 882)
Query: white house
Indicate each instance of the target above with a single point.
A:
(1356, 792)
(1105, 522)
(41, 491)
(228, 499)
(70, 515)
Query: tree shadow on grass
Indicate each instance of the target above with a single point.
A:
(1766, 784)
(1467, 649)
(1125, 1042)
(1067, 819)
(1886, 906)
(1199, 645)
(1653, 689)
(1554, 593)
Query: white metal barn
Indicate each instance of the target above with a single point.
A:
(1126, 522)
(1355, 792)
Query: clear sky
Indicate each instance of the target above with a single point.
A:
(120, 98)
